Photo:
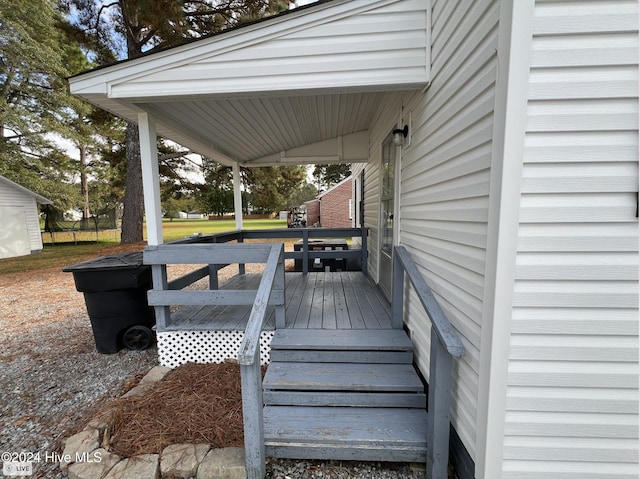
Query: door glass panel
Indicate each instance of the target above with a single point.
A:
(387, 198)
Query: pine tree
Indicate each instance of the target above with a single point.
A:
(36, 109)
(133, 27)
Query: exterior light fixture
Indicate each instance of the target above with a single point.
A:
(399, 134)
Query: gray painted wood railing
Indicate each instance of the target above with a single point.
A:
(249, 359)
(166, 294)
(445, 344)
(305, 234)
(270, 291)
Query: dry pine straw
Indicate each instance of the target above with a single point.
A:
(194, 403)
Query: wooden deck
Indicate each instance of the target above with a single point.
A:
(322, 300)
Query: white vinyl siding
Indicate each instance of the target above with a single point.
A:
(572, 398)
(372, 44)
(12, 197)
(445, 187)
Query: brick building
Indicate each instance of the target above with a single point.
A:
(313, 212)
(333, 208)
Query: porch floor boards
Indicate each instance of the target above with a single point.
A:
(318, 300)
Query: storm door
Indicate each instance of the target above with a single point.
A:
(387, 213)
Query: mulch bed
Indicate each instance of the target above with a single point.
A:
(194, 403)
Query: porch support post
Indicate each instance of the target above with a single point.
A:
(237, 195)
(397, 292)
(150, 178)
(438, 409)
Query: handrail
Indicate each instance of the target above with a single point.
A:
(443, 328)
(250, 346)
(249, 359)
(445, 343)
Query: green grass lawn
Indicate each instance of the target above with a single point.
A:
(178, 228)
(64, 251)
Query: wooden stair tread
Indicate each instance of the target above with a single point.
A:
(364, 426)
(342, 339)
(344, 356)
(341, 377)
(312, 432)
(346, 398)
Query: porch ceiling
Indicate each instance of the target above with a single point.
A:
(270, 130)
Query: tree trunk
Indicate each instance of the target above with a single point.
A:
(84, 187)
(133, 213)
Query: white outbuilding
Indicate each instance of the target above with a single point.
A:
(20, 233)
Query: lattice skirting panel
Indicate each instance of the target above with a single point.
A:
(179, 347)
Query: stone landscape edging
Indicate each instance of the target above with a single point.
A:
(86, 454)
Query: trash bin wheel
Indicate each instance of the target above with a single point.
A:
(137, 338)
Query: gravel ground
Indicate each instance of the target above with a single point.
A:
(52, 379)
(51, 376)
(289, 469)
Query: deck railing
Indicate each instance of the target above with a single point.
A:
(307, 235)
(166, 294)
(445, 344)
(169, 293)
(271, 291)
(249, 359)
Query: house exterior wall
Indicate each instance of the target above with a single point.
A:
(572, 380)
(572, 384)
(444, 187)
(14, 198)
(335, 206)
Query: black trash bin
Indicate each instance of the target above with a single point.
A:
(115, 293)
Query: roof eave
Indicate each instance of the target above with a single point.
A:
(39, 198)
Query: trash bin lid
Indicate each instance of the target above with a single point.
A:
(109, 262)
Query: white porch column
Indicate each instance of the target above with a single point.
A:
(150, 178)
(237, 195)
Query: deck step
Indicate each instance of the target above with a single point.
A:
(292, 376)
(344, 394)
(346, 399)
(345, 433)
(341, 340)
(343, 384)
(370, 357)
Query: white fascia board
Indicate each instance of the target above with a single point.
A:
(102, 80)
(352, 148)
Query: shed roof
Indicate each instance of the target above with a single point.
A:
(39, 198)
(293, 89)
